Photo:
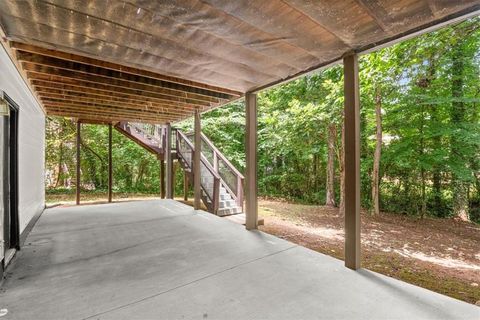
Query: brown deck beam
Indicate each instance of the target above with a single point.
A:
(95, 107)
(63, 107)
(91, 117)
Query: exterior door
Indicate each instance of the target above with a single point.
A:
(9, 188)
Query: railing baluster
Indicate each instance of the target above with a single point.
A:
(216, 194)
(215, 161)
(240, 192)
(217, 157)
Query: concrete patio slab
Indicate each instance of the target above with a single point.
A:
(161, 259)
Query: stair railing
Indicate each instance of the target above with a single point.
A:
(232, 178)
(210, 179)
(152, 132)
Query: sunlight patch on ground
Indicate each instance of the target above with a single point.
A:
(444, 262)
(328, 233)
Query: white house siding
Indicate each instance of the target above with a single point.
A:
(31, 142)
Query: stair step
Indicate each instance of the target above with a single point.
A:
(226, 204)
(225, 196)
(229, 211)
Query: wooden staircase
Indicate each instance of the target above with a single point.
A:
(149, 136)
(221, 182)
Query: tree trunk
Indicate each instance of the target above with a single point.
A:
(423, 210)
(60, 176)
(341, 169)
(378, 153)
(332, 134)
(129, 177)
(141, 171)
(437, 141)
(423, 206)
(459, 186)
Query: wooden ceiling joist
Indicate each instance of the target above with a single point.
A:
(71, 80)
(122, 68)
(116, 83)
(115, 102)
(97, 110)
(105, 106)
(68, 84)
(99, 90)
(114, 76)
(102, 118)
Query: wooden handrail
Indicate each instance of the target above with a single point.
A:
(221, 156)
(215, 197)
(238, 196)
(203, 159)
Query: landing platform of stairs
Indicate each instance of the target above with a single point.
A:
(160, 259)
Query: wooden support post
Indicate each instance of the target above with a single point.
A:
(174, 177)
(77, 185)
(162, 179)
(352, 161)
(197, 188)
(169, 161)
(110, 168)
(251, 209)
(185, 186)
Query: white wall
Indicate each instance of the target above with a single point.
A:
(31, 141)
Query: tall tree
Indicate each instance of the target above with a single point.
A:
(458, 146)
(332, 137)
(378, 152)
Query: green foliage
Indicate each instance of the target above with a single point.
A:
(134, 169)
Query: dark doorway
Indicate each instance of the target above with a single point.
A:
(9, 142)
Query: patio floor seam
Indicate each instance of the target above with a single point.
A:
(190, 282)
(112, 225)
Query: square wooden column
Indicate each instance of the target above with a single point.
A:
(251, 208)
(77, 185)
(162, 179)
(169, 161)
(185, 186)
(197, 171)
(110, 168)
(352, 161)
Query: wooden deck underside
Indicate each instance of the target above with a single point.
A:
(158, 61)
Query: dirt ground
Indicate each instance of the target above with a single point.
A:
(437, 254)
